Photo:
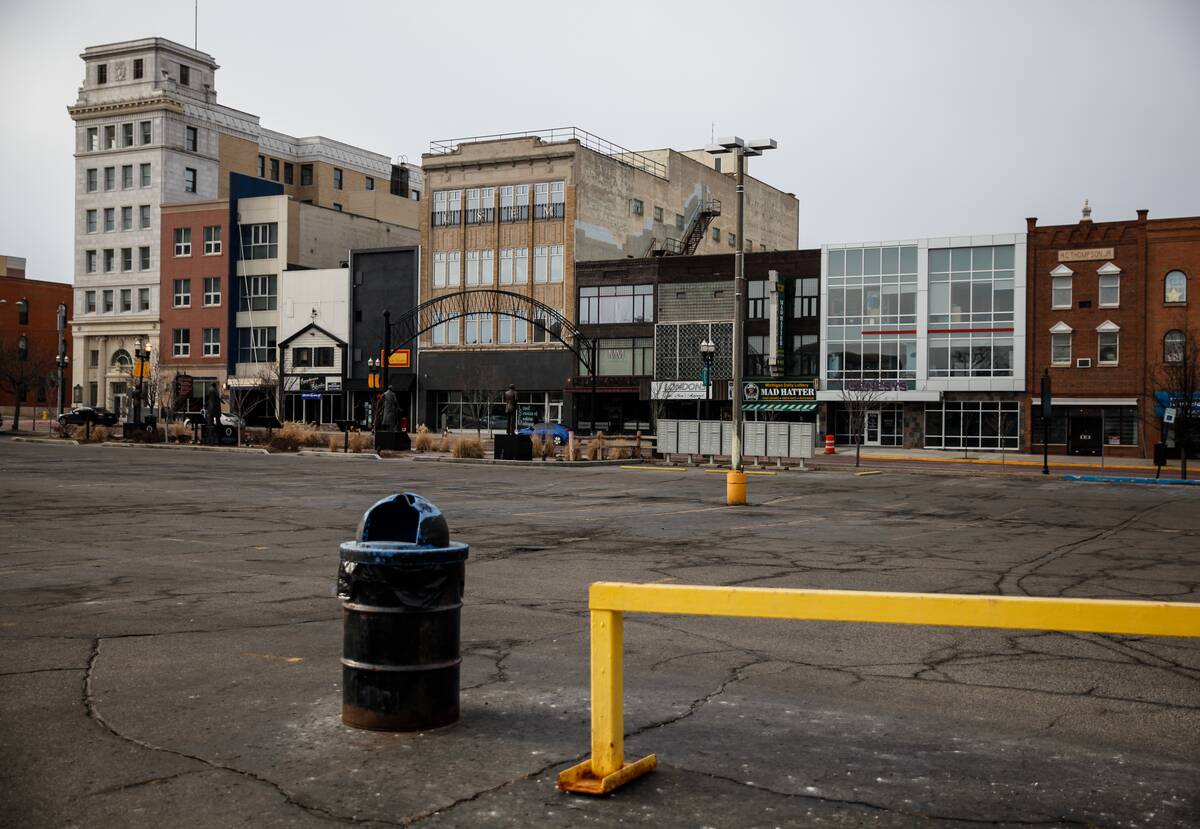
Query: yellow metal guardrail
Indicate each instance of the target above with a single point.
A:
(609, 601)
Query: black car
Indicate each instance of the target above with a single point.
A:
(96, 415)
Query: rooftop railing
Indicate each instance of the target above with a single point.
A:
(560, 135)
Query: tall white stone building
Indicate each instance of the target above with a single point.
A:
(149, 132)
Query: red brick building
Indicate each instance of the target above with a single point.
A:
(28, 327)
(1103, 298)
(194, 294)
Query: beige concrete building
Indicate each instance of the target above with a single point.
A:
(516, 212)
(149, 132)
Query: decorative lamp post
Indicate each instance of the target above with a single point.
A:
(736, 480)
(140, 357)
(708, 351)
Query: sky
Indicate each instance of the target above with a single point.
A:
(895, 120)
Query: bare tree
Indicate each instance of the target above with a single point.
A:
(479, 403)
(268, 401)
(21, 371)
(859, 397)
(1179, 377)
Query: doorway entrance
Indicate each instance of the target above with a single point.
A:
(871, 428)
(1084, 436)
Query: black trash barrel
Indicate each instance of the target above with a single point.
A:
(401, 586)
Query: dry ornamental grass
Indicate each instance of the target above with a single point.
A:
(596, 446)
(468, 448)
(360, 441)
(424, 441)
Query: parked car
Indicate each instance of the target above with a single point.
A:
(555, 431)
(228, 419)
(96, 415)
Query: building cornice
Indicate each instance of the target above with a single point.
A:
(84, 112)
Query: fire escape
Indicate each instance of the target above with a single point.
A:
(692, 237)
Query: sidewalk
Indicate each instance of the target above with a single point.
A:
(1019, 462)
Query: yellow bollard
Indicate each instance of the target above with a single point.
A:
(735, 488)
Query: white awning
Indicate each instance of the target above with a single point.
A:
(1093, 401)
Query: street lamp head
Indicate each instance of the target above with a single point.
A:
(708, 347)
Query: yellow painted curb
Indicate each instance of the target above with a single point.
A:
(657, 468)
(869, 472)
(990, 462)
(744, 471)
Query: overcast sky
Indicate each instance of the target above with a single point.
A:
(894, 119)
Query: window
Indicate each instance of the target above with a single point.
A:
(274, 169)
(93, 139)
(22, 312)
(756, 356)
(126, 176)
(370, 182)
(127, 135)
(732, 240)
(480, 205)
(126, 259)
(144, 216)
(439, 269)
(289, 172)
(514, 266)
(541, 263)
(477, 329)
(145, 175)
(337, 178)
(260, 241)
(126, 299)
(480, 267)
(1173, 346)
(445, 333)
(146, 132)
(182, 290)
(514, 203)
(608, 304)
(982, 424)
(110, 219)
(262, 166)
(108, 260)
(183, 241)
(301, 357)
(453, 268)
(144, 256)
(807, 300)
(513, 330)
(189, 180)
(102, 73)
(107, 296)
(1175, 287)
(90, 221)
(806, 355)
(89, 261)
(716, 234)
(143, 299)
(658, 214)
(212, 342)
(557, 263)
(92, 180)
(1108, 347)
(94, 358)
(256, 345)
(323, 357)
(127, 218)
(637, 207)
(306, 175)
(337, 207)
(110, 178)
(257, 293)
(1060, 282)
(138, 68)
(185, 75)
(1110, 286)
(447, 208)
(212, 290)
(756, 290)
(679, 221)
(110, 138)
(1060, 349)
(191, 138)
(212, 240)
(89, 305)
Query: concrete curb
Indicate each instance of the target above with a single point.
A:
(60, 441)
(190, 446)
(322, 453)
(541, 464)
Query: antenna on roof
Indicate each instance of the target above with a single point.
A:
(712, 133)
(196, 24)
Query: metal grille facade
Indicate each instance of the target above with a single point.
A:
(677, 349)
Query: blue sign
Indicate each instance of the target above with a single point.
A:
(1166, 399)
(310, 395)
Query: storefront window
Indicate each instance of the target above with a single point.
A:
(971, 287)
(973, 424)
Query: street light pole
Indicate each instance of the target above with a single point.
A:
(62, 354)
(736, 480)
(707, 350)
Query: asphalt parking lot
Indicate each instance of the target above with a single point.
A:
(170, 644)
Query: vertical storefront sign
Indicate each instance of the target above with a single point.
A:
(777, 313)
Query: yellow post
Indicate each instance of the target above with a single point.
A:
(606, 770)
(735, 488)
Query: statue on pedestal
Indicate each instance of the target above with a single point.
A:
(510, 410)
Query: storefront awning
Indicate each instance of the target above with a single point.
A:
(780, 407)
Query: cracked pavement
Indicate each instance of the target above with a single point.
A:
(170, 645)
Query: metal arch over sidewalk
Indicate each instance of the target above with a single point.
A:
(606, 769)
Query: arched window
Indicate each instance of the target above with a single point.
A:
(121, 358)
(1175, 287)
(1173, 344)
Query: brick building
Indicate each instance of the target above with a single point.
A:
(29, 333)
(1108, 303)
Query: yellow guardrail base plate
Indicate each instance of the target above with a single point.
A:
(580, 780)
